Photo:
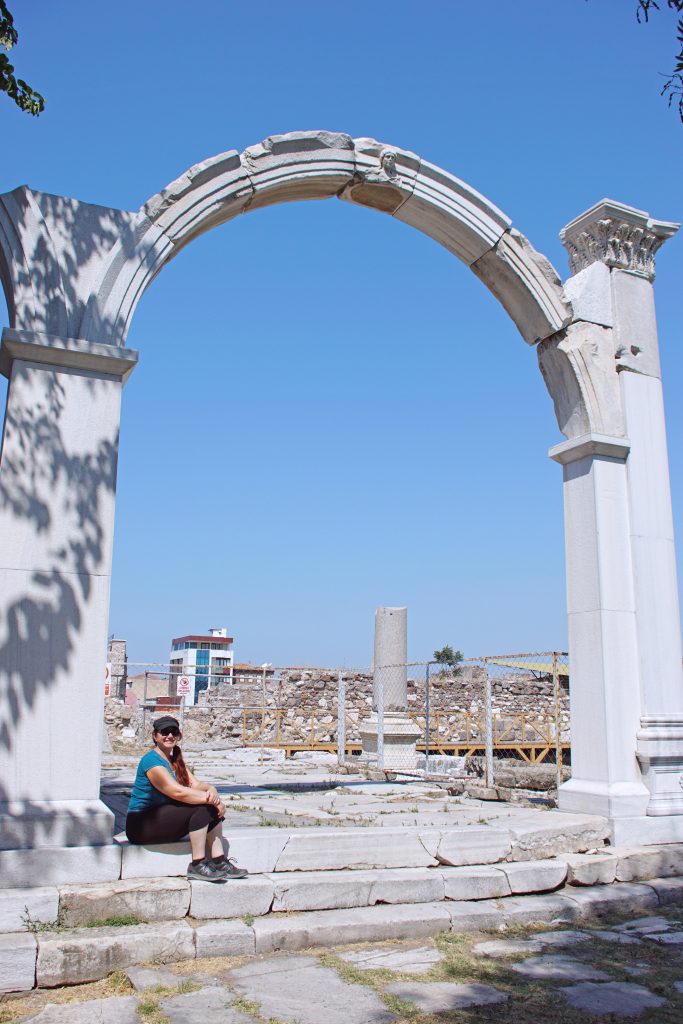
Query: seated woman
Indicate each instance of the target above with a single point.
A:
(168, 802)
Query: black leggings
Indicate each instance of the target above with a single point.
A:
(169, 822)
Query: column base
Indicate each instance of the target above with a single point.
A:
(646, 830)
(400, 737)
(659, 748)
(30, 824)
(607, 799)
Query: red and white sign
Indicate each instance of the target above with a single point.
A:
(184, 686)
(107, 679)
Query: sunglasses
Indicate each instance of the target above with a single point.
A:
(171, 731)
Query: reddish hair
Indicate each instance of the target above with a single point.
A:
(179, 767)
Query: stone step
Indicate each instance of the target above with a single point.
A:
(173, 898)
(266, 849)
(48, 959)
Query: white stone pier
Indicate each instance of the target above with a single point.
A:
(390, 695)
(622, 594)
(57, 495)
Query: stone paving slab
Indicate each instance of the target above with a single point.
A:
(535, 876)
(644, 925)
(621, 998)
(239, 896)
(558, 968)
(623, 898)
(362, 924)
(443, 996)
(224, 938)
(665, 938)
(591, 869)
(42, 905)
(87, 954)
(408, 961)
(669, 890)
(297, 988)
(562, 938)
(142, 978)
(620, 938)
(498, 948)
(17, 962)
(149, 899)
(116, 1010)
(536, 910)
(475, 883)
(206, 1005)
(19, 869)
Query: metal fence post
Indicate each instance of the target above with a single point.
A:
(341, 719)
(144, 708)
(489, 729)
(380, 721)
(427, 720)
(558, 732)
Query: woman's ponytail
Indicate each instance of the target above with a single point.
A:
(179, 767)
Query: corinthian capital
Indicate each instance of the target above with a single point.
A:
(617, 235)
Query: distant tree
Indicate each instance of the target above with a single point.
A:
(23, 95)
(673, 87)
(450, 659)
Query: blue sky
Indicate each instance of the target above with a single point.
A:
(330, 412)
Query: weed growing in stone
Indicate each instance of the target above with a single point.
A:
(149, 1010)
(248, 920)
(115, 921)
(246, 1006)
(31, 925)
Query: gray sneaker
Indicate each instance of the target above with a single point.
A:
(225, 869)
(204, 871)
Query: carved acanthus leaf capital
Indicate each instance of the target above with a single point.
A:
(617, 235)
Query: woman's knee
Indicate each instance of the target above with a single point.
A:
(202, 817)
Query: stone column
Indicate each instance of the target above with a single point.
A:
(612, 249)
(603, 650)
(660, 738)
(57, 495)
(390, 686)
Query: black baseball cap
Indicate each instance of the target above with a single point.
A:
(166, 722)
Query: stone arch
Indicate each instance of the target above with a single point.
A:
(73, 274)
(92, 295)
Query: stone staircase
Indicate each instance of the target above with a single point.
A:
(47, 937)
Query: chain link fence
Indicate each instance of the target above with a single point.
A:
(421, 718)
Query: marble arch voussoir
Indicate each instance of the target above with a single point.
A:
(102, 261)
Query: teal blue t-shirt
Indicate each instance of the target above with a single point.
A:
(144, 794)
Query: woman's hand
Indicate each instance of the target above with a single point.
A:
(213, 798)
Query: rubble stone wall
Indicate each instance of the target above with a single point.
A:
(220, 714)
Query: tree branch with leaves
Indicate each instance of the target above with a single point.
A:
(673, 87)
(17, 89)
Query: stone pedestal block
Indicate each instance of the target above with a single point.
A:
(400, 736)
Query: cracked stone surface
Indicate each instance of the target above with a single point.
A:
(442, 996)
(507, 947)
(297, 988)
(410, 961)
(666, 938)
(142, 978)
(644, 925)
(622, 938)
(568, 938)
(637, 970)
(620, 998)
(561, 968)
(207, 1004)
(117, 1010)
